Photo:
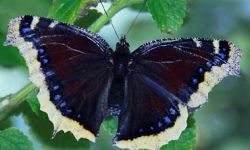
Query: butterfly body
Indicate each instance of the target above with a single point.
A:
(82, 81)
(121, 58)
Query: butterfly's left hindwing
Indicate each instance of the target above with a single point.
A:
(71, 68)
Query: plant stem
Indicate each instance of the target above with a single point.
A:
(11, 101)
(113, 9)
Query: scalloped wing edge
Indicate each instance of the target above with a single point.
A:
(216, 75)
(154, 142)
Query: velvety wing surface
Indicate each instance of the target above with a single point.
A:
(152, 116)
(187, 68)
(71, 68)
(165, 79)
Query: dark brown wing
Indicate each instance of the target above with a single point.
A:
(188, 68)
(166, 78)
(71, 68)
(151, 117)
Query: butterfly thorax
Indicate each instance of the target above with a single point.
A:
(121, 58)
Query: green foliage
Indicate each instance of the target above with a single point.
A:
(10, 9)
(68, 10)
(139, 7)
(110, 125)
(13, 139)
(168, 14)
(34, 103)
(41, 129)
(89, 18)
(9, 56)
(187, 139)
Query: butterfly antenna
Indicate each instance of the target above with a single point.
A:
(133, 22)
(109, 20)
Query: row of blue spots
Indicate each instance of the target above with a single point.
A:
(223, 55)
(218, 60)
(44, 60)
(159, 126)
(58, 99)
(198, 76)
(25, 26)
(61, 104)
(55, 89)
(26, 32)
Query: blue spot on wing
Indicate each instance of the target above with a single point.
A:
(168, 120)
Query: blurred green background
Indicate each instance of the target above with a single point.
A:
(222, 124)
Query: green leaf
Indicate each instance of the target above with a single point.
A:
(68, 10)
(187, 139)
(168, 14)
(139, 7)
(41, 130)
(110, 125)
(89, 18)
(11, 9)
(9, 55)
(13, 139)
(34, 103)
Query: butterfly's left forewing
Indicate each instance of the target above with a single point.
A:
(166, 79)
(71, 68)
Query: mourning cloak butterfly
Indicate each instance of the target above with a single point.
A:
(82, 81)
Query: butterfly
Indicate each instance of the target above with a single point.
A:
(151, 90)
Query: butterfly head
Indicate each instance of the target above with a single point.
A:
(122, 46)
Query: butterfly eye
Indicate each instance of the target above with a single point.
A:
(111, 61)
(130, 62)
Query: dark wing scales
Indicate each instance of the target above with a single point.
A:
(71, 68)
(188, 68)
(166, 78)
(152, 117)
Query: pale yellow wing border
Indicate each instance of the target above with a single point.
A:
(154, 142)
(217, 73)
